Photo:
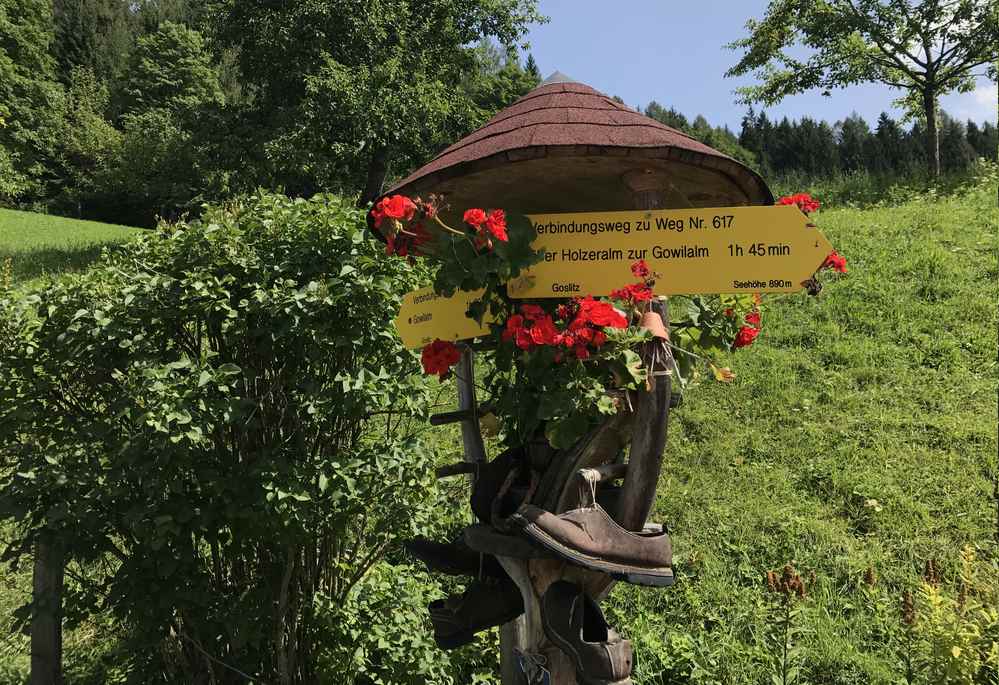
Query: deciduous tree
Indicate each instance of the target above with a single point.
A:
(926, 48)
(346, 92)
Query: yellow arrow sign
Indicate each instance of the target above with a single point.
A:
(723, 250)
(426, 316)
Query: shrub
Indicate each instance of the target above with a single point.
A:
(218, 426)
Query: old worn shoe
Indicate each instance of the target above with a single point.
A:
(483, 605)
(590, 538)
(576, 625)
(454, 559)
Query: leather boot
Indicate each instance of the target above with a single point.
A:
(454, 559)
(576, 625)
(483, 605)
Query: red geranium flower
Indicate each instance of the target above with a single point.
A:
(745, 336)
(599, 338)
(439, 356)
(474, 217)
(600, 313)
(523, 339)
(544, 332)
(398, 207)
(496, 224)
(513, 324)
(634, 293)
(411, 241)
(835, 261)
(753, 319)
(640, 269)
(806, 203)
(532, 312)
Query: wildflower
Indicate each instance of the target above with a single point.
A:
(870, 577)
(439, 356)
(908, 609)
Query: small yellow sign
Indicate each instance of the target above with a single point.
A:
(426, 316)
(695, 251)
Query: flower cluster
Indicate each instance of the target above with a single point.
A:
(835, 261)
(486, 226)
(439, 356)
(806, 203)
(747, 334)
(578, 327)
(405, 233)
(637, 293)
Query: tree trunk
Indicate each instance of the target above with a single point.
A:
(46, 614)
(932, 132)
(377, 170)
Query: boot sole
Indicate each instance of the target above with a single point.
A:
(568, 651)
(661, 576)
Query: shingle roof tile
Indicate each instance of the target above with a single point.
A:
(561, 114)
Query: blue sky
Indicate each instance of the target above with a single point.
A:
(673, 52)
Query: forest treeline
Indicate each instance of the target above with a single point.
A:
(818, 149)
(127, 111)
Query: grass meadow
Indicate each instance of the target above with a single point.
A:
(39, 244)
(859, 439)
(858, 443)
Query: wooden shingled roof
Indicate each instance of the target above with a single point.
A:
(565, 147)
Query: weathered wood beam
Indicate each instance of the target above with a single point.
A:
(512, 635)
(650, 190)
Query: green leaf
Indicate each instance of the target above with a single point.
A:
(229, 369)
(563, 433)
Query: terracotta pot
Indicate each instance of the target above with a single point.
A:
(653, 322)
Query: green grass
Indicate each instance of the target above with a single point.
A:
(882, 388)
(40, 245)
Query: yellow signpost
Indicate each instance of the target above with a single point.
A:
(696, 251)
(426, 316)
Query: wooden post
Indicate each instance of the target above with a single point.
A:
(512, 633)
(46, 614)
(471, 436)
(648, 438)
